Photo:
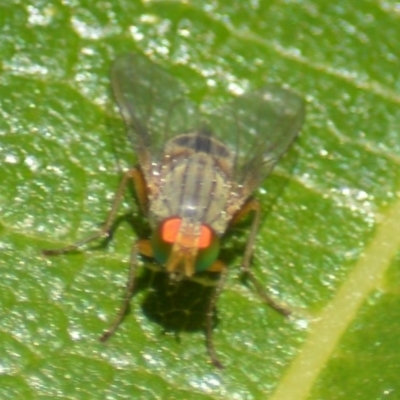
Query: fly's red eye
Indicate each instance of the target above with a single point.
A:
(167, 234)
(170, 229)
(205, 237)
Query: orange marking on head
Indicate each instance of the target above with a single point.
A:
(170, 232)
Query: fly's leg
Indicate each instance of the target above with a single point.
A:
(139, 247)
(142, 247)
(137, 177)
(254, 206)
(218, 266)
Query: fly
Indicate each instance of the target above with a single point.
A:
(196, 173)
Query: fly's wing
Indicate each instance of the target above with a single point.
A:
(153, 104)
(259, 127)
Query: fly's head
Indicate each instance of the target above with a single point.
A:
(184, 247)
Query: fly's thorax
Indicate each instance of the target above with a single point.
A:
(193, 181)
(198, 142)
(184, 247)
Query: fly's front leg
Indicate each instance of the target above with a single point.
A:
(253, 205)
(140, 247)
(137, 177)
(218, 266)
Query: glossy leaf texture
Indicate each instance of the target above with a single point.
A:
(329, 242)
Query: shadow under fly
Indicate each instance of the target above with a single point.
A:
(196, 175)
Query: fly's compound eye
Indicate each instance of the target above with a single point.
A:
(207, 244)
(206, 256)
(161, 247)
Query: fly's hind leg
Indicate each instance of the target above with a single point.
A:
(253, 205)
(136, 175)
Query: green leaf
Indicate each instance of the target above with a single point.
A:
(328, 246)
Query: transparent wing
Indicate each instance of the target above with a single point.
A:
(260, 126)
(153, 104)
